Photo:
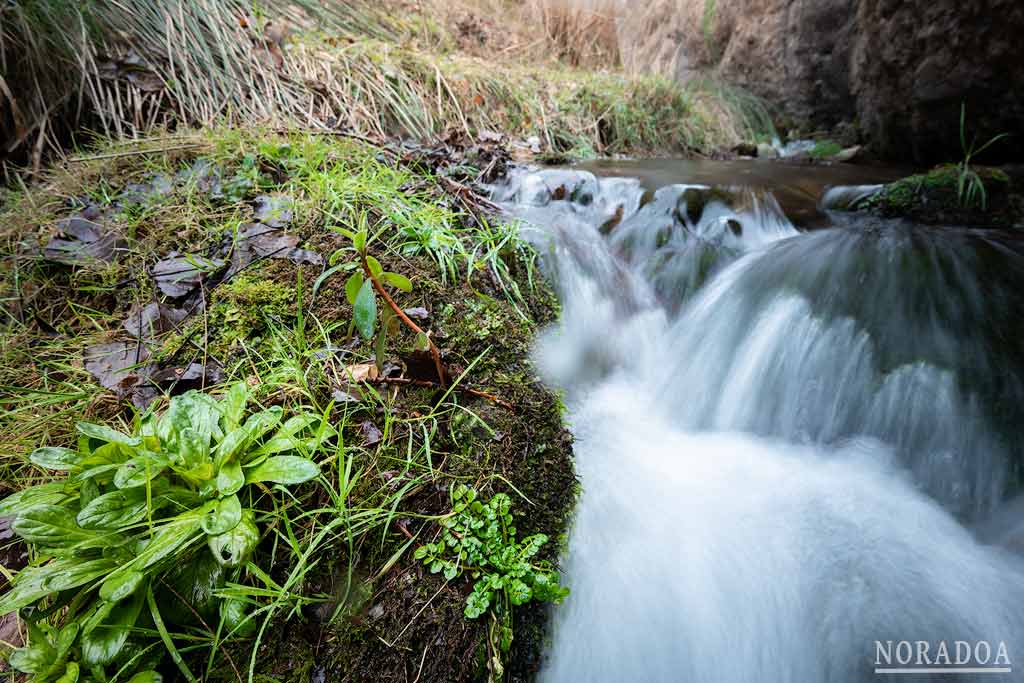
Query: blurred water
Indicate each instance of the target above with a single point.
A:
(786, 440)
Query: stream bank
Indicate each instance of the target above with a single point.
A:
(143, 270)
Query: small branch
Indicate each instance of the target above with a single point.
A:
(405, 319)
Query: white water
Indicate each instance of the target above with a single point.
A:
(776, 434)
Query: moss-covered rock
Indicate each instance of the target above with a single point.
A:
(951, 195)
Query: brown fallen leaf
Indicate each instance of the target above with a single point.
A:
(274, 210)
(371, 433)
(360, 372)
(118, 365)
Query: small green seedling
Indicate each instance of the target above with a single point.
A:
(479, 539)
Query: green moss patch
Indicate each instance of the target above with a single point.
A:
(939, 196)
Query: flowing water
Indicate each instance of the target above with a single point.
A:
(791, 444)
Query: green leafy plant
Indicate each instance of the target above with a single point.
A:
(970, 188)
(362, 290)
(118, 541)
(480, 539)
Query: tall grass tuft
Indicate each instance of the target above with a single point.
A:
(581, 33)
(137, 63)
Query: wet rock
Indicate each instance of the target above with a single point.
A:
(847, 197)
(936, 198)
(847, 155)
(900, 68)
(694, 200)
(746, 149)
(81, 241)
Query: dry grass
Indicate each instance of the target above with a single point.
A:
(415, 69)
(579, 33)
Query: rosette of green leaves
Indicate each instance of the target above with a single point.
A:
(140, 520)
(480, 539)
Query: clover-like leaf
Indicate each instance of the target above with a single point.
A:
(518, 592)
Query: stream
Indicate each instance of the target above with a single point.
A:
(799, 447)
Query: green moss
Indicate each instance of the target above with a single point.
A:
(823, 149)
(934, 197)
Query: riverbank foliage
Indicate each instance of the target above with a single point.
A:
(419, 70)
(145, 269)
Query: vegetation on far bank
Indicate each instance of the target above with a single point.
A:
(419, 70)
(225, 259)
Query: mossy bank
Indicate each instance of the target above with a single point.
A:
(138, 271)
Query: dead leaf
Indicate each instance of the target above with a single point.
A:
(177, 276)
(153, 320)
(157, 187)
(273, 210)
(419, 365)
(118, 365)
(258, 240)
(83, 241)
(344, 397)
(360, 372)
(371, 434)
(418, 313)
(192, 376)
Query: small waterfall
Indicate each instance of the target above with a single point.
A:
(790, 444)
